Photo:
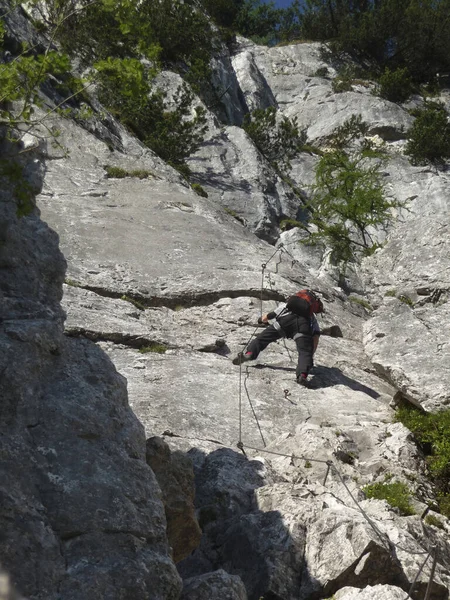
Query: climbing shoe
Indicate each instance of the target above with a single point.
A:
(241, 357)
(302, 379)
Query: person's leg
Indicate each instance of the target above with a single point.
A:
(257, 345)
(305, 355)
(262, 340)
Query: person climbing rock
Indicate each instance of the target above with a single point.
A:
(294, 319)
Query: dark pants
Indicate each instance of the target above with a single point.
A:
(304, 347)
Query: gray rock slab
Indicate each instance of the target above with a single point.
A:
(219, 585)
(138, 236)
(410, 348)
(356, 552)
(290, 73)
(236, 175)
(376, 592)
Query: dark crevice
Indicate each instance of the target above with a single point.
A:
(183, 300)
(171, 434)
(132, 341)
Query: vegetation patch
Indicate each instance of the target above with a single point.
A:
(234, 214)
(396, 494)
(278, 140)
(432, 432)
(406, 300)
(198, 189)
(396, 85)
(429, 136)
(361, 302)
(349, 198)
(287, 224)
(119, 173)
(434, 521)
(134, 302)
(154, 347)
(72, 282)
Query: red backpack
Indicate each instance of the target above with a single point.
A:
(304, 304)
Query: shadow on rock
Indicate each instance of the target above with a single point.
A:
(237, 536)
(328, 376)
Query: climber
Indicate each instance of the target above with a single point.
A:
(295, 320)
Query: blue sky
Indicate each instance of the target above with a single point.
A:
(283, 3)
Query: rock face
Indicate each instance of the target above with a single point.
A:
(175, 476)
(169, 286)
(76, 490)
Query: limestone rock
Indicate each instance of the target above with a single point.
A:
(219, 585)
(175, 476)
(376, 592)
(80, 507)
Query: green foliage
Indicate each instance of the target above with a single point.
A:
(391, 293)
(342, 83)
(287, 224)
(321, 72)
(198, 189)
(279, 141)
(346, 134)
(348, 199)
(396, 85)
(434, 521)
(429, 136)
(134, 302)
(406, 300)
(444, 504)
(172, 29)
(153, 347)
(12, 176)
(410, 34)
(432, 431)
(396, 494)
(361, 302)
(119, 173)
(72, 282)
(173, 130)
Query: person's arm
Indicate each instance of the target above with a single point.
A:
(316, 339)
(271, 315)
(265, 318)
(315, 332)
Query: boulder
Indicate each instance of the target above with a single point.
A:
(219, 585)
(174, 473)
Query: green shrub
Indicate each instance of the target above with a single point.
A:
(429, 136)
(396, 494)
(169, 130)
(444, 504)
(432, 431)
(348, 199)
(198, 189)
(321, 72)
(395, 86)
(115, 172)
(342, 83)
(432, 520)
(287, 224)
(391, 293)
(280, 142)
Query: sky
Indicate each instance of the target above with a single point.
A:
(282, 3)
